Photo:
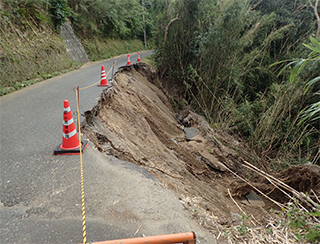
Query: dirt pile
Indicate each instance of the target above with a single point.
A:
(134, 121)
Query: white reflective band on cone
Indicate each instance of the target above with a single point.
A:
(69, 122)
(66, 110)
(69, 135)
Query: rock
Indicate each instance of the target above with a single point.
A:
(236, 217)
(254, 199)
(191, 132)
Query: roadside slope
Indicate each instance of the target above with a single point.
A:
(135, 122)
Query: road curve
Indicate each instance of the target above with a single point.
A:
(40, 200)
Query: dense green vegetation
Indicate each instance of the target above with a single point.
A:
(220, 56)
(252, 69)
(99, 23)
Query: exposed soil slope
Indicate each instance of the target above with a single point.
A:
(134, 121)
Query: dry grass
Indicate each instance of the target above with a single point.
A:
(272, 232)
(29, 54)
(298, 222)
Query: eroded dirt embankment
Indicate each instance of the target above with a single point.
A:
(134, 121)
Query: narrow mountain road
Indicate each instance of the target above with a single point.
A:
(40, 198)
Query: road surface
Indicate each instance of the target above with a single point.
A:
(40, 198)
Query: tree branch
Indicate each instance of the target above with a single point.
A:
(254, 6)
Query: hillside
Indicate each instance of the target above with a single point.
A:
(37, 53)
(35, 42)
(134, 121)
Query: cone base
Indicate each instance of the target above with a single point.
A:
(104, 86)
(75, 151)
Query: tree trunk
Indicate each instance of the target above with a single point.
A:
(166, 29)
(144, 26)
(316, 13)
(317, 16)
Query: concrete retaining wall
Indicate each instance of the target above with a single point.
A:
(74, 47)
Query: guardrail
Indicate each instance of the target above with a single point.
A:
(182, 238)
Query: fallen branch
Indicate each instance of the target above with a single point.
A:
(301, 196)
(255, 188)
(241, 208)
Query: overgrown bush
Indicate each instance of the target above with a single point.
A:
(110, 19)
(59, 11)
(219, 53)
(23, 13)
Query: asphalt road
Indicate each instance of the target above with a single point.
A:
(40, 198)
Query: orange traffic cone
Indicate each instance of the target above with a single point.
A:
(70, 142)
(103, 81)
(128, 62)
(138, 60)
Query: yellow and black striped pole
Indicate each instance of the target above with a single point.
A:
(84, 228)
